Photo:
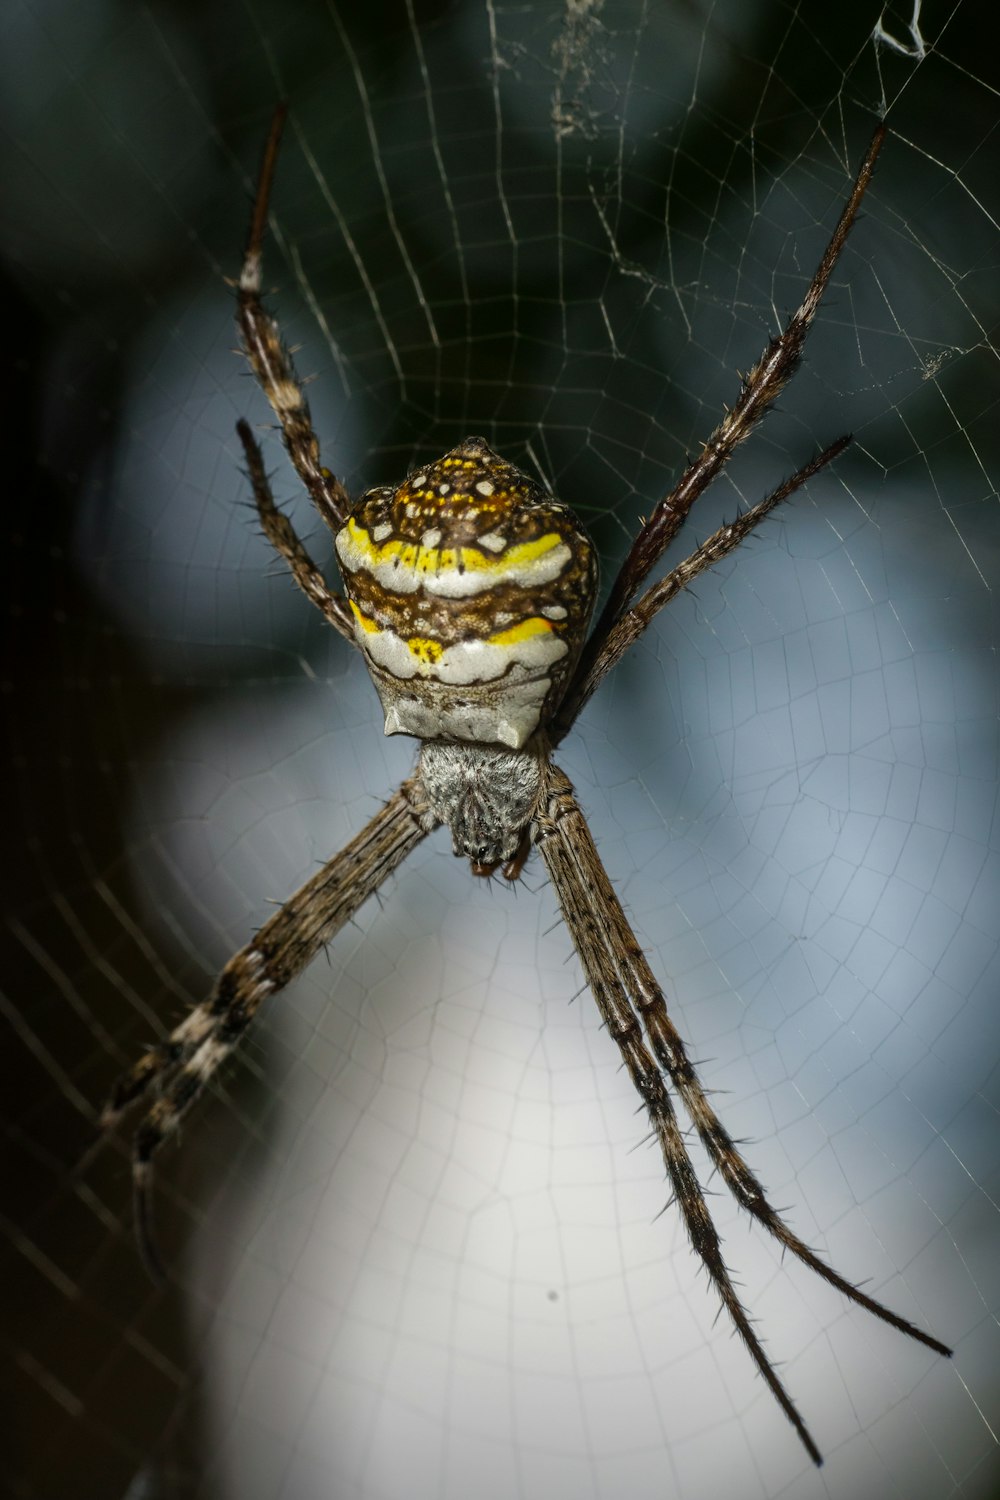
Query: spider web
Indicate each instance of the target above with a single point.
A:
(414, 1232)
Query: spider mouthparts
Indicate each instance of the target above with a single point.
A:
(512, 869)
(485, 870)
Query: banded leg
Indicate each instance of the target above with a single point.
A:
(281, 534)
(186, 1061)
(630, 1002)
(271, 361)
(629, 626)
(761, 389)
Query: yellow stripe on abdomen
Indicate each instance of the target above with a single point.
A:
(450, 572)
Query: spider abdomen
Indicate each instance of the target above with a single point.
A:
(471, 591)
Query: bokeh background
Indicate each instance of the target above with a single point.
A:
(413, 1234)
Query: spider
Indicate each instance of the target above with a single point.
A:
(469, 591)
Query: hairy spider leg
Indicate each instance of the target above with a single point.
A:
(281, 534)
(271, 361)
(631, 1002)
(188, 1059)
(761, 389)
(630, 625)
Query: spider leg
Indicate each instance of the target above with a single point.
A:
(186, 1061)
(281, 534)
(630, 625)
(649, 1003)
(761, 388)
(271, 361)
(630, 1002)
(573, 862)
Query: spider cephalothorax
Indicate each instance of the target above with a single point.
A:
(487, 796)
(469, 590)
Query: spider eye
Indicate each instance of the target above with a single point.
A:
(484, 850)
(483, 859)
(471, 590)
